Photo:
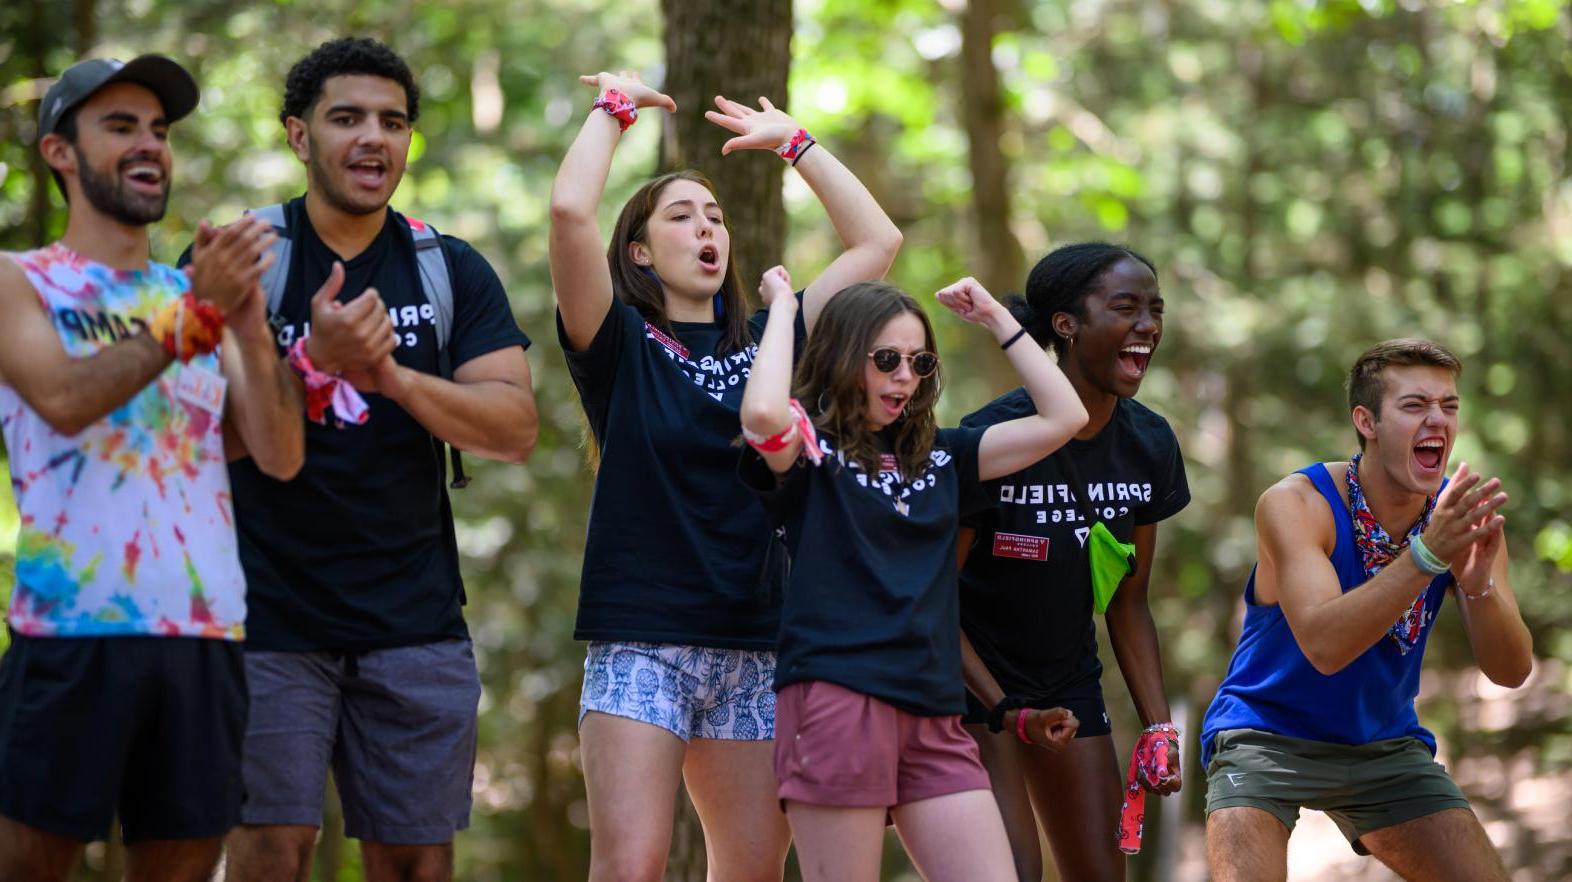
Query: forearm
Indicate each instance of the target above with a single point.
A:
(495, 419)
(979, 680)
(85, 390)
(581, 180)
(859, 221)
(1340, 629)
(766, 398)
(1133, 635)
(1502, 644)
(1055, 399)
(266, 403)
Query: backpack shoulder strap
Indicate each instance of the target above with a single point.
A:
(436, 276)
(277, 275)
(436, 282)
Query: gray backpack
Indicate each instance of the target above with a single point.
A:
(436, 284)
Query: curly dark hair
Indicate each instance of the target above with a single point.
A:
(345, 56)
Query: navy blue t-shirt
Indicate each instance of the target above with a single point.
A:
(676, 547)
(1026, 589)
(358, 552)
(871, 602)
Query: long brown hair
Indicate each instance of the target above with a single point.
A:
(829, 380)
(639, 287)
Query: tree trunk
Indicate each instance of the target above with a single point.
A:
(740, 49)
(997, 259)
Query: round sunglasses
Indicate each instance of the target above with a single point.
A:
(887, 360)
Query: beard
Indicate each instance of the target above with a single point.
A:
(108, 194)
(322, 181)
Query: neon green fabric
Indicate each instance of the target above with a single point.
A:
(1111, 561)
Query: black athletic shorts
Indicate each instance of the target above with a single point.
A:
(1085, 701)
(149, 727)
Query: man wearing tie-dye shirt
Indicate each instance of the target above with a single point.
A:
(124, 386)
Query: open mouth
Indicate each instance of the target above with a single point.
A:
(709, 259)
(1134, 358)
(893, 403)
(1429, 453)
(145, 175)
(369, 172)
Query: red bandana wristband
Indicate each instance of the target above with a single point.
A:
(188, 327)
(619, 105)
(325, 390)
(792, 150)
(800, 424)
(1148, 763)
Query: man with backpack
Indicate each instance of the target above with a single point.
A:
(358, 654)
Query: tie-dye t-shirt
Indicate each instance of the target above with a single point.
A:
(127, 526)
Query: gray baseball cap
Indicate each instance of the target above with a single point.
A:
(173, 85)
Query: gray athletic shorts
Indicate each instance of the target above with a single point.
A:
(396, 725)
(1361, 787)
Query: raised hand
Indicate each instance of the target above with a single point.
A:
(968, 299)
(346, 336)
(1051, 728)
(1466, 514)
(628, 83)
(764, 129)
(227, 262)
(775, 284)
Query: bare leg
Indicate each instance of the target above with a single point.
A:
(957, 837)
(631, 773)
(1001, 757)
(1448, 846)
(173, 860)
(407, 863)
(28, 854)
(732, 785)
(1246, 844)
(269, 853)
(1077, 794)
(837, 844)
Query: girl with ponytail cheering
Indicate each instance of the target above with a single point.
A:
(1041, 561)
(848, 460)
(679, 598)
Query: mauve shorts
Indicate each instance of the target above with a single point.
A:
(837, 747)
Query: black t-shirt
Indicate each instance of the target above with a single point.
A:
(1026, 589)
(871, 602)
(358, 552)
(676, 546)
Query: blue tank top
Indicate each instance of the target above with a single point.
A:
(1272, 687)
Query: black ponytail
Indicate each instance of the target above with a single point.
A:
(1060, 282)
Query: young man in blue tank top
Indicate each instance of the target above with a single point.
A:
(1317, 710)
(124, 383)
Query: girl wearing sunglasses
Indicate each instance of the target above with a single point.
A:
(847, 458)
(1027, 583)
(677, 599)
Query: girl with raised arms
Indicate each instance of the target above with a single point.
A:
(1027, 583)
(848, 459)
(680, 599)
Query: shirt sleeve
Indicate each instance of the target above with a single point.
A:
(781, 495)
(595, 367)
(1171, 490)
(185, 258)
(757, 321)
(963, 445)
(482, 319)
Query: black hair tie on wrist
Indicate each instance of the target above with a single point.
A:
(1011, 342)
(1008, 703)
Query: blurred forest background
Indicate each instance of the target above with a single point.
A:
(1310, 176)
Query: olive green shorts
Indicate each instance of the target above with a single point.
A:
(1362, 787)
